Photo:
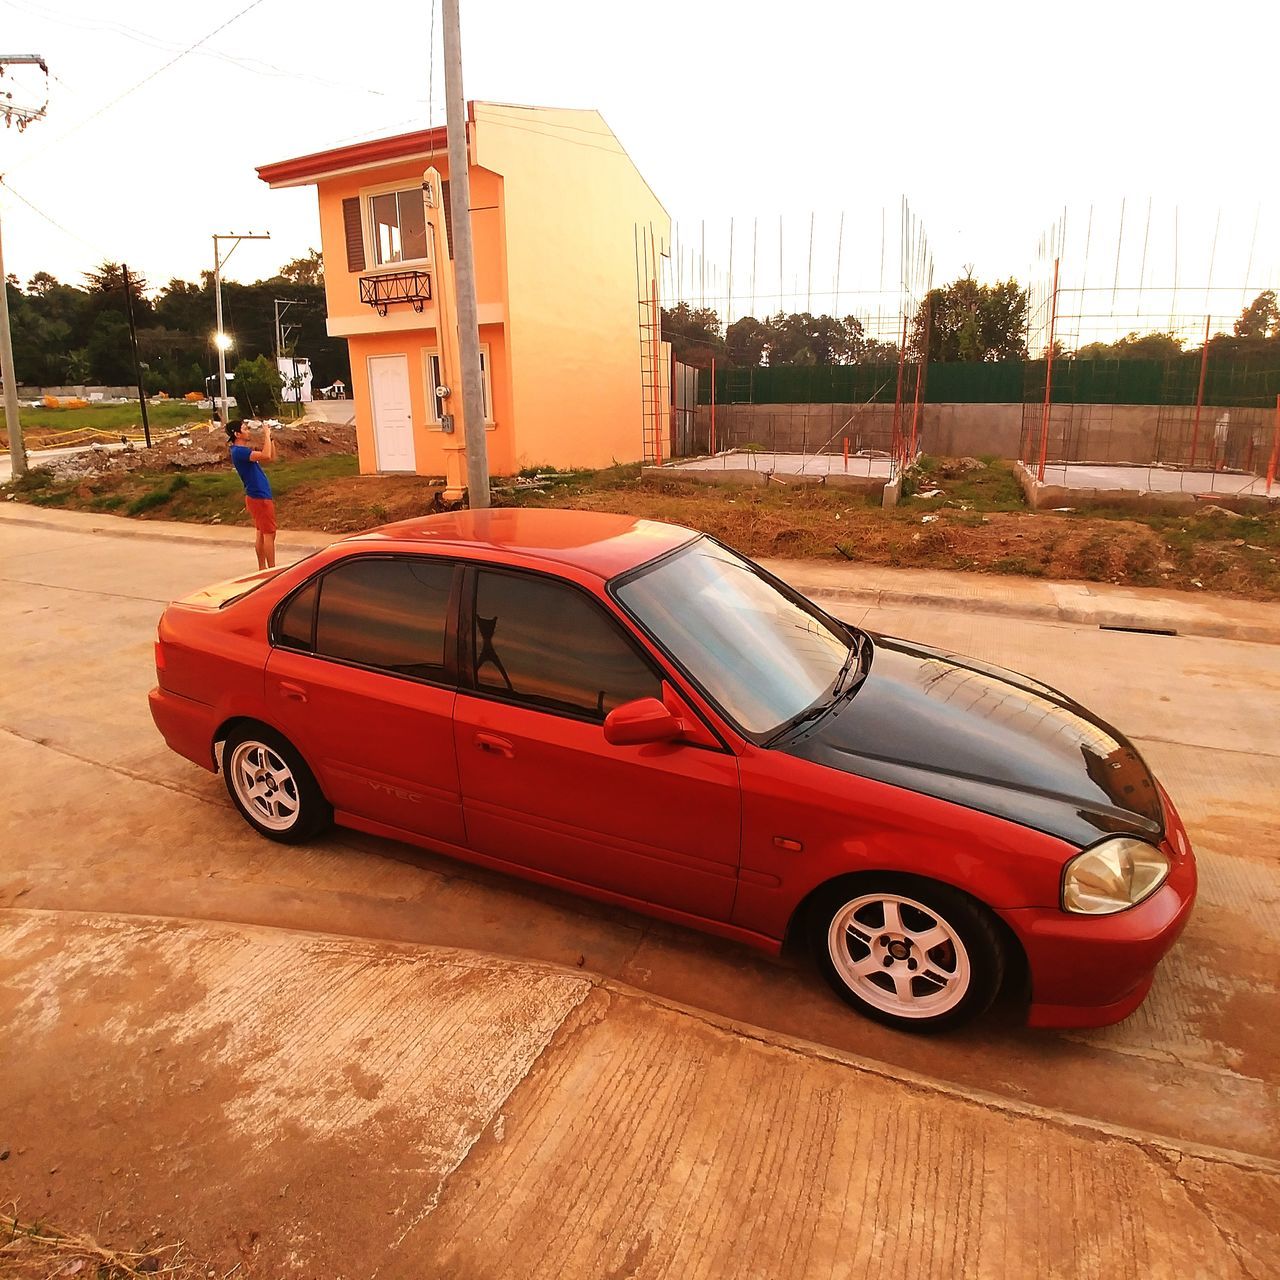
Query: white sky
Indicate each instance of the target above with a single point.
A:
(990, 117)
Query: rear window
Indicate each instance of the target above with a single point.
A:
(385, 613)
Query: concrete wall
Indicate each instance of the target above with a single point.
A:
(1077, 433)
(64, 393)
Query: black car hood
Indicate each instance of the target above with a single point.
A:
(988, 739)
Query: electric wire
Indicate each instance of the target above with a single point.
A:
(129, 92)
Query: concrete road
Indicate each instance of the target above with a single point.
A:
(101, 817)
(290, 1105)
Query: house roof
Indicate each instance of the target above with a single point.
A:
(359, 155)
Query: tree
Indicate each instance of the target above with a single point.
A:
(694, 333)
(109, 351)
(801, 338)
(1261, 318)
(307, 270)
(257, 387)
(746, 341)
(1133, 346)
(41, 283)
(971, 321)
(108, 277)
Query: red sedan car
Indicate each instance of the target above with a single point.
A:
(630, 710)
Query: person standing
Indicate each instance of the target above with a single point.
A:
(257, 488)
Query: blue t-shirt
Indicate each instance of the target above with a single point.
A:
(255, 480)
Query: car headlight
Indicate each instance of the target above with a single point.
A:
(1112, 876)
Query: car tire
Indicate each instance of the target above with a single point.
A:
(907, 952)
(270, 783)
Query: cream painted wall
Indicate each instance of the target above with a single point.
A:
(573, 202)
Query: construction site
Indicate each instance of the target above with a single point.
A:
(1138, 381)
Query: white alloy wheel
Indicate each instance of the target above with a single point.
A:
(899, 956)
(265, 785)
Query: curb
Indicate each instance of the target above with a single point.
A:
(1202, 624)
(888, 597)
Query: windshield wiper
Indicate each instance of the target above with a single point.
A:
(855, 653)
(852, 664)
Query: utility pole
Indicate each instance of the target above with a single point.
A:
(220, 338)
(464, 266)
(283, 332)
(23, 117)
(137, 361)
(17, 450)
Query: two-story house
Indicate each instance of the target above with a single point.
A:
(557, 212)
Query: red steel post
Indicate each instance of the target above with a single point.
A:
(1048, 375)
(915, 409)
(1275, 449)
(656, 350)
(1204, 364)
(897, 397)
(713, 405)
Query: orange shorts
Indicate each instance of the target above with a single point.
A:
(263, 511)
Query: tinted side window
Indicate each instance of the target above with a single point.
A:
(548, 645)
(386, 613)
(295, 626)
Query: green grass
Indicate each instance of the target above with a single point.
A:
(110, 417)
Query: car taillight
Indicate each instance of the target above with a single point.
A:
(159, 658)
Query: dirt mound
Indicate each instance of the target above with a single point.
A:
(200, 448)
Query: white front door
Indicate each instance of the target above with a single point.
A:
(392, 414)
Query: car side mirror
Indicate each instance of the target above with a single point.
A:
(641, 721)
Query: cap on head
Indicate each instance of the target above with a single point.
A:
(234, 427)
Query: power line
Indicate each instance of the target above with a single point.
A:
(120, 97)
(53, 222)
(255, 66)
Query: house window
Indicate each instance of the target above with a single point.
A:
(398, 226)
(431, 361)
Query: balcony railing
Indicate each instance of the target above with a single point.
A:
(381, 291)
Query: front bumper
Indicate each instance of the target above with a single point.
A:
(1090, 971)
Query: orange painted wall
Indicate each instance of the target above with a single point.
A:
(556, 204)
(428, 439)
(574, 201)
(342, 287)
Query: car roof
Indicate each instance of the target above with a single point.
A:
(593, 541)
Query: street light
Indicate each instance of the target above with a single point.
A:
(222, 341)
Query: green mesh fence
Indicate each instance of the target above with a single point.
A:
(1243, 381)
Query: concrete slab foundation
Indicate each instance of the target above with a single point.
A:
(1154, 488)
(864, 474)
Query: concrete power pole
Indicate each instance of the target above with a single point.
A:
(22, 117)
(464, 265)
(17, 450)
(220, 337)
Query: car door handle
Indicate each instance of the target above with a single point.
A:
(495, 745)
(295, 692)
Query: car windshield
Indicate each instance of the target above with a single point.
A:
(757, 653)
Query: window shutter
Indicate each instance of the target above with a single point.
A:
(354, 233)
(448, 213)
